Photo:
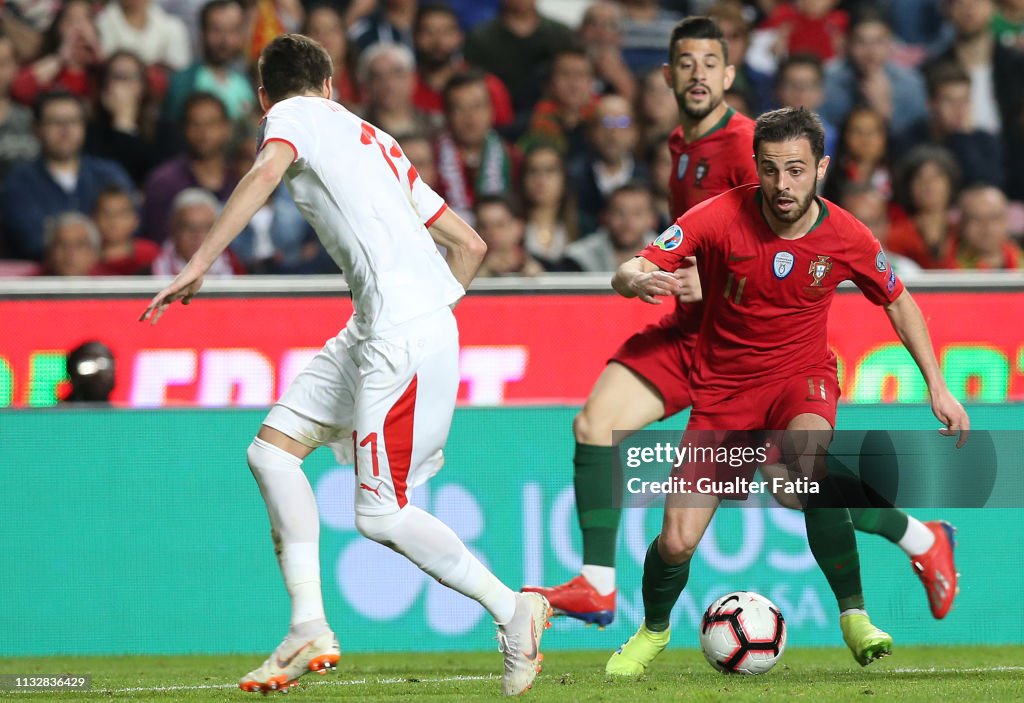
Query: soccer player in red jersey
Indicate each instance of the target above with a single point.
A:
(771, 255)
(647, 379)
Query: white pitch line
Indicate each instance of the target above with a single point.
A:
(951, 670)
(314, 682)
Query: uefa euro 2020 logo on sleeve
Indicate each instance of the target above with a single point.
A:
(670, 239)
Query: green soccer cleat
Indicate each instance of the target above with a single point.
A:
(633, 658)
(866, 641)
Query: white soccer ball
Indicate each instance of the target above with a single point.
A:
(743, 633)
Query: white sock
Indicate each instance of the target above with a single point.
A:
(853, 611)
(918, 539)
(431, 545)
(602, 578)
(294, 526)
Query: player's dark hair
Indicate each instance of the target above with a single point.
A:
(787, 124)
(211, 7)
(501, 199)
(432, 8)
(54, 96)
(945, 73)
(200, 97)
(293, 64)
(794, 60)
(460, 80)
(697, 28)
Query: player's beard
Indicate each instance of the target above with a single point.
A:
(698, 113)
(802, 206)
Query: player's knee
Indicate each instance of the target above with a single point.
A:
(676, 546)
(384, 529)
(590, 428)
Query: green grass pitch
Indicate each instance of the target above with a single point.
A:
(958, 674)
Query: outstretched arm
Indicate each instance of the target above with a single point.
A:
(465, 248)
(249, 196)
(640, 278)
(909, 324)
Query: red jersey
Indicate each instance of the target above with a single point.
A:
(767, 298)
(708, 166)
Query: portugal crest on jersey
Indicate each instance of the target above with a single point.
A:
(782, 264)
(670, 238)
(819, 269)
(700, 173)
(684, 161)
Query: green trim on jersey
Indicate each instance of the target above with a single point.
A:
(729, 112)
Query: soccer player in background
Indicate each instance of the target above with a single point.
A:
(771, 255)
(385, 387)
(647, 379)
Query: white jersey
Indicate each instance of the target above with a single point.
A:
(355, 186)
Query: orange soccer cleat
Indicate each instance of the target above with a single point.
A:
(578, 599)
(937, 571)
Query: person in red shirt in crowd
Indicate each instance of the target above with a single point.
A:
(925, 188)
(771, 256)
(563, 116)
(983, 241)
(809, 27)
(70, 56)
(438, 41)
(122, 254)
(325, 24)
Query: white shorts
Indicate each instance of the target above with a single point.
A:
(385, 403)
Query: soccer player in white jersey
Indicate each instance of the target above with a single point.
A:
(385, 387)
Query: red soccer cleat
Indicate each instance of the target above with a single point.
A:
(937, 571)
(578, 599)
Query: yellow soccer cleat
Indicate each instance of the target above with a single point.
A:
(633, 658)
(866, 641)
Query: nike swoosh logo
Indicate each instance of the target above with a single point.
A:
(283, 664)
(532, 656)
(733, 257)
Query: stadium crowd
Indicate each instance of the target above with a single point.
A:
(124, 125)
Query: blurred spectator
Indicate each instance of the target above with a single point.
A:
(472, 160)
(659, 164)
(419, 149)
(601, 35)
(1008, 24)
(17, 142)
(861, 155)
(868, 205)
(25, 21)
(646, 27)
(474, 12)
(519, 31)
(502, 229)
(144, 29)
(868, 75)
(222, 26)
(387, 73)
(984, 237)
(61, 179)
(916, 22)
(124, 117)
(91, 372)
(800, 82)
(325, 24)
(72, 245)
(116, 220)
(809, 27)
(997, 90)
(439, 41)
(68, 59)
(390, 23)
(978, 153)
(205, 164)
(754, 85)
(657, 111)
(192, 214)
(609, 162)
(561, 118)
(552, 219)
(925, 186)
(629, 221)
